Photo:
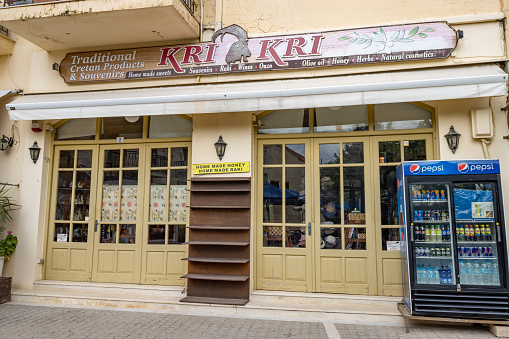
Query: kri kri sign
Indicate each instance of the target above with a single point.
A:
(231, 51)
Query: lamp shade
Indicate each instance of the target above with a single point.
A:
(453, 139)
(220, 147)
(34, 151)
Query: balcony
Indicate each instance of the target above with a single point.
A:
(84, 24)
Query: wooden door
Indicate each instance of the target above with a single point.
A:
(284, 208)
(118, 236)
(344, 238)
(388, 153)
(72, 215)
(165, 217)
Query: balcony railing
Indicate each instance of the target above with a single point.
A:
(3, 31)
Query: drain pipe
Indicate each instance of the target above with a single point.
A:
(219, 15)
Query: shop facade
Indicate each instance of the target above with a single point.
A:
(129, 187)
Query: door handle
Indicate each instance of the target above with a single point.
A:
(309, 228)
(95, 226)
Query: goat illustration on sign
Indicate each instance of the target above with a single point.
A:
(239, 50)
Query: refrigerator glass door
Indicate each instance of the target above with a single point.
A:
(476, 234)
(431, 233)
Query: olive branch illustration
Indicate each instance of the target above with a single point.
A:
(398, 36)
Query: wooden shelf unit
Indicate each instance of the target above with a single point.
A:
(219, 233)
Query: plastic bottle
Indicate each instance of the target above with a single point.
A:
(428, 233)
(469, 274)
(436, 276)
(488, 232)
(449, 276)
(477, 233)
(489, 273)
(496, 278)
(419, 276)
(430, 275)
(477, 273)
(484, 273)
(439, 233)
(463, 271)
(462, 233)
(483, 233)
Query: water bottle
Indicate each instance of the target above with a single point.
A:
(430, 275)
(469, 274)
(424, 275)
(489, 273)
(496, 278)
(449, 277)
(477, 273)
(443, 279)
(419, 276)
(484, 273)
(463, 271)
(436, 276)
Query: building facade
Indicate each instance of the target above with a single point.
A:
(317, 102)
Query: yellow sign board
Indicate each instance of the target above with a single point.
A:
(220, 168)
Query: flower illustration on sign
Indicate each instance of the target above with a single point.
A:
(384, 42)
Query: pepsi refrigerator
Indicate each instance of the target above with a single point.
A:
(453, 239)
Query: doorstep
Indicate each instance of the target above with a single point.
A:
(263, 304)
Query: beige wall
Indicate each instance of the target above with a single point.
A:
(236, 129)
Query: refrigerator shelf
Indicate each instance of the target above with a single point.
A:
(441, 257)
(476, 242)
(431, 221)
(477, 258)
(434, 242)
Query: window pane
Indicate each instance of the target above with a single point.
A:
(108, 233)
(82, 196)
(64, 194)
(272, 154)
(272, 195)
(401, 116)
(388, 196)
(156, 234)
(353, 186)
(329, 154)
(79, 233)
(390, 239)
(330, 238)
(272, 236)
(158, 196)
(169, 126)
(415, 150)
(353, 153)
(159, 157)
(176, 234)
(62, 232)
(127, 234)
(77, 129)
(178, 203)
(355, 238)
(389, 151)
(341, 119)
(120, 127)
(129, 203)
(110, 196)
(330, 196)
(85, 159)
(112, 158)
(295, 154)
(66, 159)
(294, 195)
(295, 236)
(131, 157)
(285, 121)
(179, 156)
(178, 177)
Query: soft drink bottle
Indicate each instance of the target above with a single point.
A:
(484, 273)
(472, 233)
(489, 273)
(463, 272)
(477, 233)
(462, 233)
(488, 232)
(417, 232)
(496, 278)
(428, 233)
(448, 232)
(483, 232)
(469, 274)
(438, 233)
(477, 273)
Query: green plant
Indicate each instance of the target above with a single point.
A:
(7, 245)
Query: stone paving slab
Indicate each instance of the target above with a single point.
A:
(420, 331)
(26, 321)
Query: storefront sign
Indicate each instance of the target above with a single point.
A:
(219, 168)
(231, 51)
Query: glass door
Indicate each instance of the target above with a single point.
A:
(430, 230)
(477, 234)
(70, 239)
(117, 250)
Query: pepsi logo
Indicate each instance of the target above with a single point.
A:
(415, 168)
(463, 167)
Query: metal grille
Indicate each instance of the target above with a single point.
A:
(485, 305)
(189, 4)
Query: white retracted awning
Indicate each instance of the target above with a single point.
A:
(457, 82)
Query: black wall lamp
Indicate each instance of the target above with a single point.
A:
(453, 139)
(6, 142)
(34, 151)
(220, 147)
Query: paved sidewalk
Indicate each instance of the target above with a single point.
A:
(33, 321)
